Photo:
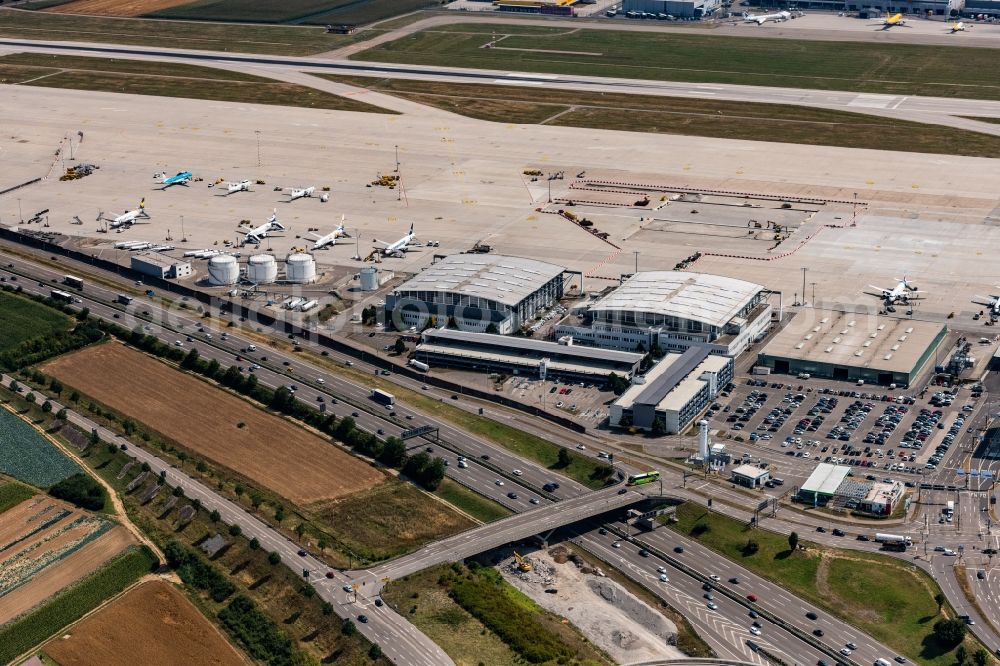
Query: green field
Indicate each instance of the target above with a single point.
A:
(73, 603)
(27, 456)
(140, 77)
(687, 116)
(880, 595)
(479, 507)
(239, 38)
(352, 12)
(22, 319)
(12, 494)
(903, 69)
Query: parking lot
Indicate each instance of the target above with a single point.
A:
(877, 430)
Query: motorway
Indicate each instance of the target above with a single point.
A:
(925, 109)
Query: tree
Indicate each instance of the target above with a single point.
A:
(793, 541)
(80, 490)
(492, 328)
(178, 492)
(46, 407)
(564, 458)
(279, 514)
(74, 397)
(215, 516)
(393, 453)
(327, 608)
(750, 548)
(196, 503)
(980, 658)
(235, 530)
(348, 627)
(374, 652)
(61, 414)
(55, 386)
(30, 398)
(274, 558)
(254, 544)
(659, 428)
(961, 654)
(949, 632)
(399, 346)
(939, 600)
(300, 529)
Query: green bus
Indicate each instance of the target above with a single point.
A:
(639, 479)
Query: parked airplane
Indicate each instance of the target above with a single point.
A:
(761, 19)
(297, 193)
(959, 27)
(893, 21)
(182, 178)
(993, 303)
(256, 234)
(903, 292)
(233, 188)
(126, 219)
(331, 238)
(400, 247)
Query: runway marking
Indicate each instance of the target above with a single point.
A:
(519, 83)
(876, 101)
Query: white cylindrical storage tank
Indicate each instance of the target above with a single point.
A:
(369, 278)
(262, 269)
(703, 439)
(223, 269)
(300, 268)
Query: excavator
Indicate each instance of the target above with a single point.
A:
(522, 564)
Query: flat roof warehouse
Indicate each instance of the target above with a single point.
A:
(506, 280)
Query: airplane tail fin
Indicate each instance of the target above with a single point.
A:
(411, 228)
(142, 204)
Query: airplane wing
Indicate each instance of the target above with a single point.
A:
(880, 290)
(378, 242)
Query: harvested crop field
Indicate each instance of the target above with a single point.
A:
(115, 7)
(150, 624)
(275, 453)
(46, 545)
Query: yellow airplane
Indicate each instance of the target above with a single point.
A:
(959, 27)
(893, 21)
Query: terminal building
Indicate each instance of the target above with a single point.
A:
(675, 392)
(673, 310)
(675, 8)
(476, 292)
(832, 486)
(523, 356)
(853, 347)
(160, 265)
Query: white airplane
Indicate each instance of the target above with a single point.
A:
(182, 178)
(128, 218)
(993, 303)
(256, 234)
(331, 238)
(761, 19)
(400, 247)
(903, 292)
(233, 188)
(959, 27)
(298, 193)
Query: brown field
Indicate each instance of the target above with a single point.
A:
(64, 572)
(275, 453)
(115, 7)
(151, 624)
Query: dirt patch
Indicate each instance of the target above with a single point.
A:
(151, 624)
(279, 455)
(64, 572)
(610, 616)
(115, 7)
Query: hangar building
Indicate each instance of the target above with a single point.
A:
(160, 265)
(523, 356)
(676, 391)
(476, 292)
(674, 310)
(853, 346)
(677, 8)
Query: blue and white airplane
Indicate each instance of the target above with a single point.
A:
(182, 178)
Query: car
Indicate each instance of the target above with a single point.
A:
(534, 500)
(817, 632)
(838, 532)
(602, 531)
(661, 569)
(354, 414)
(512, 495)
(851, 646)
(622, 491)
(754, 614)
(499, 482)
(678, 549)
(616, 544)
(347, 588)
(752, 598)
(380, 431)
(320, 380)
(981, 574)
(899, 659)
(379, 602)
(812, 616)
(123, 447)
(715, 577)
(517, 472)
(363, 619)
(302, 553)
(755, 631)
(663, 578)
(821, 529)
(329, 574)
(845, 651)
(735, 580)
(711, 605)
(643, 553)
(581, 447)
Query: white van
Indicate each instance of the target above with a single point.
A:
(882, 662)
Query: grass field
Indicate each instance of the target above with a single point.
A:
(353, 12)
(388, 520)
(104, 7)
(70, 605)
(903, 69)
(479, 507)
(140, 77)
(687, 116)
(152, 623)
(12, 494)
(22, 319)
(239, 38)
(206, 421)
(882, 596)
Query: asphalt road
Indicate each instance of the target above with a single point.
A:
(928, 109)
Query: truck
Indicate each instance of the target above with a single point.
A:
(57, 295)
(893, 541)
(949, 509)
(383, 397)
(294, 303)
(123, 299)
(419, 365)
(308, 305)
(73, 281)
